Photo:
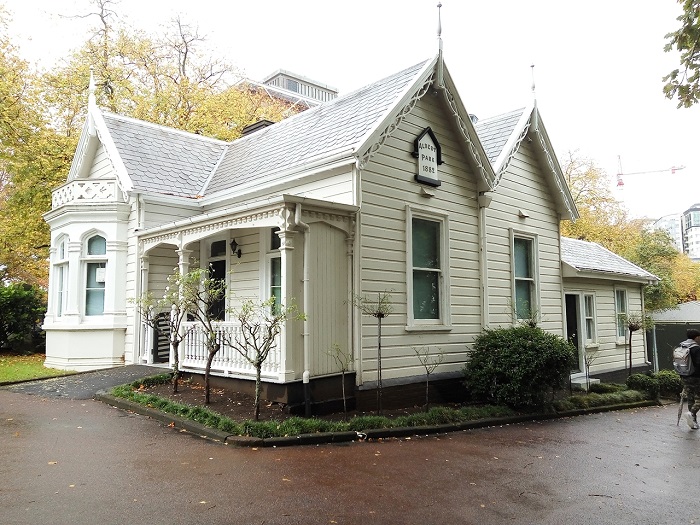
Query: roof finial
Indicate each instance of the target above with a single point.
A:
(92, 101)
(532, 69)
(439, 34)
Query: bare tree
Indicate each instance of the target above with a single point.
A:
(342, 360)
(430, 362)
(260, 324)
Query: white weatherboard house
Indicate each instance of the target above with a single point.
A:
(388, 188)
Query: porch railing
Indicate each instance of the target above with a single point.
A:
(227, 360)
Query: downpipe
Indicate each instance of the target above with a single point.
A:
(306, 377)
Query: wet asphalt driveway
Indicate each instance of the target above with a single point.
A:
(65, 458)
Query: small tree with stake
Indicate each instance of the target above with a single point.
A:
(379, 308)
(200, 293)
(342, 360)
(260, 323)
(430, 363)
(635, 321)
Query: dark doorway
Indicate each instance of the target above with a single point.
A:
(572, 315)
(217, 270)
(161, 338)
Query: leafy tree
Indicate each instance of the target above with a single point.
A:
(683, 83)
(260, 324)
(22, 308)
(603, 219)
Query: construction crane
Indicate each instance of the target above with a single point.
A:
(620, 174)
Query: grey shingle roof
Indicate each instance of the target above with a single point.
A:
(685, 313)
(592, 257)
(335, 126)
(164, 160)
(494, 132)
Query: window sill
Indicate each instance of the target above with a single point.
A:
(429, 328)
(592, 346)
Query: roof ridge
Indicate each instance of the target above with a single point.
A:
(170, 129)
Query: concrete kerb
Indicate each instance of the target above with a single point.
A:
(198, 429)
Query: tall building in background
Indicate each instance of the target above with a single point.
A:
(691, 232)
(672, 224)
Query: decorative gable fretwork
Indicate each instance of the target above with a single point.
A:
(393, 126)
(93, 191)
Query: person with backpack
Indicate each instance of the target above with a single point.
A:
(686, 361)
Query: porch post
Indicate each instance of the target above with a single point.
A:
(183, 265)
(145, 335)
(286, 235)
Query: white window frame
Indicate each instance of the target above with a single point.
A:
(621, 338)
(443, 322)
(534, 271)
(61, 277)
(89, 259)
(267, 255)
(593, 339)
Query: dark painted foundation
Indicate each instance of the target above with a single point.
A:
(326, 393)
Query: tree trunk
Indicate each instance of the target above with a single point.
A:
(345, 406)
(176, 364)
(630, 354)
(427, 392)
(258, 368)
(207, 370)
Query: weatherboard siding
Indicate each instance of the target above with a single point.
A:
(606, 352)
(388, 185)
(101, 167)
(523, 187)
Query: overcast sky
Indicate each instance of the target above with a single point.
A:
(598, 65)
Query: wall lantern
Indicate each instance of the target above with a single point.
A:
(235, 250)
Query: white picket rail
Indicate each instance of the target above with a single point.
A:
(227, 360)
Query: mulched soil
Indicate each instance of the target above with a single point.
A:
(239, 406)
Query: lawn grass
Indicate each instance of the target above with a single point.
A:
(23, 367)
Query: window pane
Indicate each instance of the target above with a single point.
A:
(426, 295)
(523, 299)
(588, 302)
(59, 295)
(95, 289)
(276, 280)
(522, 251)
(590, 334)
(97, 245)
(218, 249)
(426, 243)
(275, 241)
(62, 250)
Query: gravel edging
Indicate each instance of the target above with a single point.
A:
(198, 429)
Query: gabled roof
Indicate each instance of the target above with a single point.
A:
(334, 127)
(502, 136)
(589, 259)
(164, 160)
(349, 129)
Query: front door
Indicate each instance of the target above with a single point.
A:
(572, 328)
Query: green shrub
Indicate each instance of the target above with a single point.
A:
(644, 383)
(22, 309)
(584, 401)
(518, 366)
(670, 383)
(606, 388)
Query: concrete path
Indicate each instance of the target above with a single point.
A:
(79, 461)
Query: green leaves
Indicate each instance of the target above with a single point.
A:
(685, 86)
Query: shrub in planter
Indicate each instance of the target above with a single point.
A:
(644, 383)
(670, 383)
(518, 366)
